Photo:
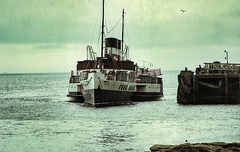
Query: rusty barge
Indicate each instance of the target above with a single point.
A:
(215, 83)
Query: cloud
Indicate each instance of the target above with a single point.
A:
(34, 32)
(27, 21)
(148, 22)
(173, 58)
(40, 57)
(48, 46)
(204, 23)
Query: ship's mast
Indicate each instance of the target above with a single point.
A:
(122, 29)
(102, 30)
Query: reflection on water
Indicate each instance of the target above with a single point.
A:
(35, 115)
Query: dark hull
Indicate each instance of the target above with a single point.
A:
(208, 89)
(146, 96)
(76, 96)
(98, 97)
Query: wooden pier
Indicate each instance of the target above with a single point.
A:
(216, 83)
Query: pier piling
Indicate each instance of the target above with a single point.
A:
(194, 88)
(226, 87)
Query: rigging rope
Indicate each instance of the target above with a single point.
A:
(98, 40)
(113, 27)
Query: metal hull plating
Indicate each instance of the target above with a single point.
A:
(97, 90)
(147, 96)
(98, 97)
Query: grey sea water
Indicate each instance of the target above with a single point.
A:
(36, 115)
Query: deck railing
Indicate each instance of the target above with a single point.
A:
(222, 66)
(218, 67)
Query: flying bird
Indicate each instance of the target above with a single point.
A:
(183, 10)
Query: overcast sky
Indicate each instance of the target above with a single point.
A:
(52, 35)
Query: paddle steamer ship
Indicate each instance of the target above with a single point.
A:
(112, 78)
